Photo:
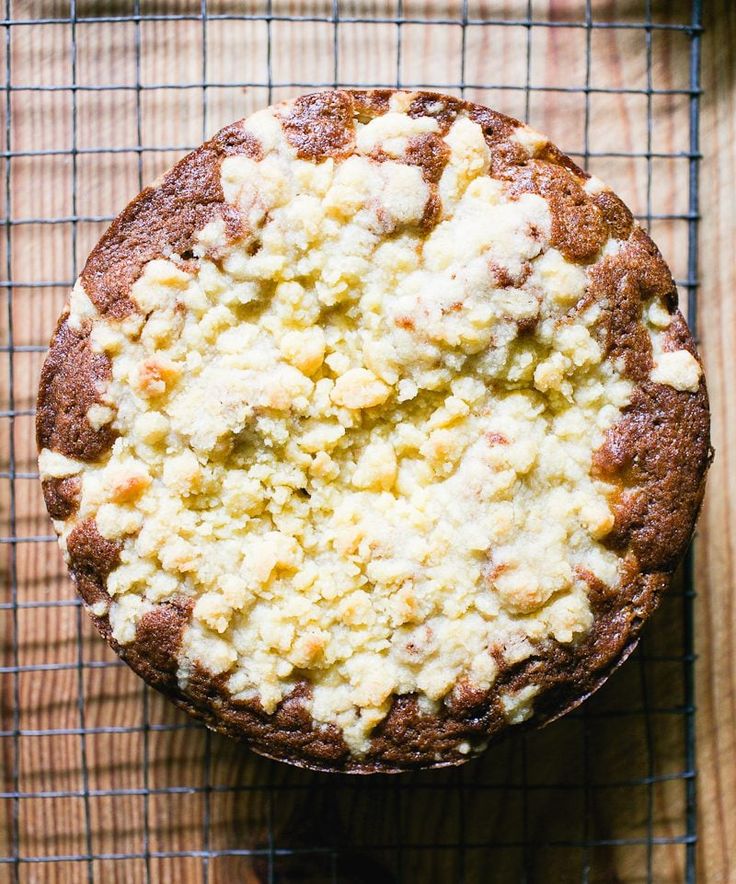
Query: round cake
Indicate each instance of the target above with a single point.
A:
(371, 431)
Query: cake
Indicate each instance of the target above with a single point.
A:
(371, 431)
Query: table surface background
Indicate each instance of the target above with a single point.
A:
(715, 607)
(199, 792)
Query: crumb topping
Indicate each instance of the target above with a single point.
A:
(359, 436)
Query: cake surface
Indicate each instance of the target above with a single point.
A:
(372, 430)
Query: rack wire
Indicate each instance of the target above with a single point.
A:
(102, 780)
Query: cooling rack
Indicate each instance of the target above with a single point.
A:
(101, 779)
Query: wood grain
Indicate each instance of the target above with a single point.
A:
(716, 604)
(160, 785)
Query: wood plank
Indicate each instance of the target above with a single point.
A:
(716, 603)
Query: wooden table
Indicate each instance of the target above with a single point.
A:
(716, 603)
(141, 779)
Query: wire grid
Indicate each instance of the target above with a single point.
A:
(102, 780)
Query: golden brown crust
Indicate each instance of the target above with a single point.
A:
(658, 453)
(497, 130)
(321, 125)
(442, 108)
(369, 103)
(651, 451)
(579, 229)
(163, 218)
(91, 559)
(615, 213)
(73, 379)
(61, 496)
(159, 634)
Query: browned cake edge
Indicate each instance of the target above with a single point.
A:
(658, 452)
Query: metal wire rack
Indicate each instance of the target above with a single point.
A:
(100, 779)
